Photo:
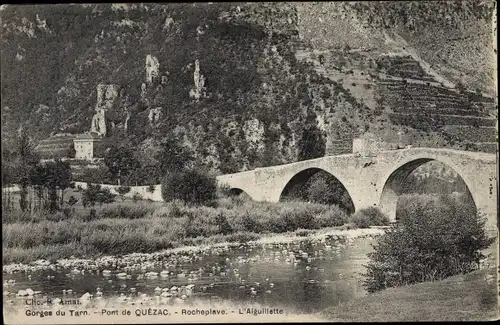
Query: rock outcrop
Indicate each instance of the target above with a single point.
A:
(199, 90)
(106, 98)
(152, 68)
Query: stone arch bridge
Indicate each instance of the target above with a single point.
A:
(377, 180)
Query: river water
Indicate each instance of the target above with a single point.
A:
(305, 276)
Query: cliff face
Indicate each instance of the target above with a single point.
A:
(240, 82)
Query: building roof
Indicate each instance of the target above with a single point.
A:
(88, 136)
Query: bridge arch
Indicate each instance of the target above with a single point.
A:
(394, 180)
(236, 191)
(301, 178)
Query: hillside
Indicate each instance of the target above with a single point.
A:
(241, 81)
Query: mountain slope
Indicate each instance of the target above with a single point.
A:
(240, 82)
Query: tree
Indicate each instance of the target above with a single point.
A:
(90, 194)
(104, 196)
(190, 186)
(434, 239)
(38, 179)
(120, 162)
(173, 156)
(57, 176)
(26, 160)
(65, 177)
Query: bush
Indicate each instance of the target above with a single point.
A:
(67, 212)
(105, 196)
(136, 197)
(242, 237)
(190, 186)
(151, 188)
(434, 239)
(333, 217)
(250, 224)
(223, 224)
(371, 216)
(122, 190)
(72, 200)
(223, 191)
(135, 211)
(360, 220)
(303, 232)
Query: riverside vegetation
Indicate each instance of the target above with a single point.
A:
(129, 227)
(196, 211)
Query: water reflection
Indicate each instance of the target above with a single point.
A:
(305, 276)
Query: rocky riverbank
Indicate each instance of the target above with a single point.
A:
(345, 236)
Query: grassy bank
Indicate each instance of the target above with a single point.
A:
(146, 227)
(471, 296)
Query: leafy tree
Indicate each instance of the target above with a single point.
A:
(38, 179)
(190, 186)
(71, 152)
(143, 176)
(57, 176)
(90, 194)
(434, 239)
(173, 156)
(120, 162)
(26, 161)
(104, 196)
(96, 175)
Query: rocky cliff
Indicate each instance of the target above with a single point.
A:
(240, 82)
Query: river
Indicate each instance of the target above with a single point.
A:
(306, 275)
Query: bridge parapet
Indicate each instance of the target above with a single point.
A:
(375, 180)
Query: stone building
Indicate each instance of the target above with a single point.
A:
(86, 144)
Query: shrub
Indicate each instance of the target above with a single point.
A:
(105, 196)
(242, 237)
(434, 239)
(360, 220)
(223, 224)
(303, 232)
(67, 212)
(190, 186)
(122, 190)
(72, 201)
(151, 188)
(250, 224)
(369, 217)
(375, 216)
(333, 217)
(223, 191)
(136, 197)
(135, 211)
